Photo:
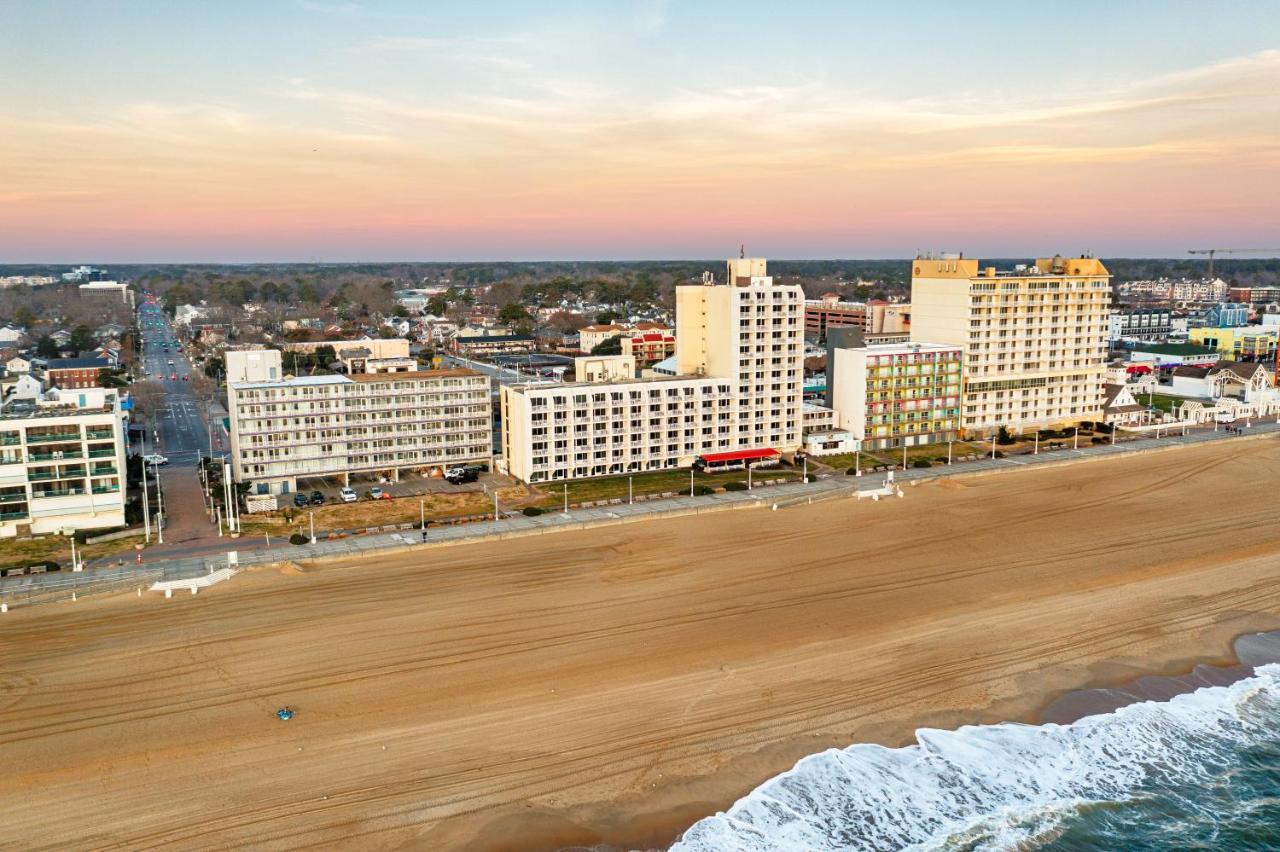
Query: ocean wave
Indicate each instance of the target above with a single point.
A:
(996, 786)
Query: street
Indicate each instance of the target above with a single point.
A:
(177, 430)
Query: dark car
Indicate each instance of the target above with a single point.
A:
(299, 499)
(317, 499)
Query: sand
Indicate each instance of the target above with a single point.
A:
(615, 684)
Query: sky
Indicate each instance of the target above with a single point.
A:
(372, 130)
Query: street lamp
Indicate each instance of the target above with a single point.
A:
(312, 515)
(159, 507)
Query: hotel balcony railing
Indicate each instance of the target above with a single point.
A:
(106, 489)
(99, 434)
(101, 454)
(14, 498)
(10, 440)
(12, 516)
(57, 492)
(70, 454)
(38, 476)
(110, 470)
(51, 438)
(4, 460)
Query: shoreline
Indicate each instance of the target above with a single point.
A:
(613, 685)
(1163, 683)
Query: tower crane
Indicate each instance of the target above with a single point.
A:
(1211, 252)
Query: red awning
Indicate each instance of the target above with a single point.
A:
(739, 455)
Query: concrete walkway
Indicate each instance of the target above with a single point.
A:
(40, 587)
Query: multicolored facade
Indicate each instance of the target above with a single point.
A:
(900, 394)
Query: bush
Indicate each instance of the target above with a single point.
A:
(999, 454)
(853, 471)
(532, 511)
(1003, 437)
(735, 486)
(1098, 440)
(299, 538)
(703, 490)
(941, 459)
(922, 463)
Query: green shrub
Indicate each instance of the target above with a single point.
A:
(735, 486)
(1003, 437)
(703, 490)
(853, 471)
(999, 454)
(941, 459)
(298, 538)
(532, 511)
(922, 463)
(1098, 440)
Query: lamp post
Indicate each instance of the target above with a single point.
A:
(631, 494)
(1075, 439)
(904, 454)
(949, 452)
(566, 498)
(1036, 451)
(748, 477)
(805, 476)
(159, 508)
(993, 447)
(691, 481)
(311, 517)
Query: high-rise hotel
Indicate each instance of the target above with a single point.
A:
(737, 392)
(1034, 337)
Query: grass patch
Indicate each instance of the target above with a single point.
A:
(58, 549)
(656, 482)
(1163, 401)
(377, 513)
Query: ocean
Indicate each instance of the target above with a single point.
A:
(1197, 772)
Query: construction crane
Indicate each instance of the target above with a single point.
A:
(1212, 252)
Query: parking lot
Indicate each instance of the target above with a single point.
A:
(410, 485)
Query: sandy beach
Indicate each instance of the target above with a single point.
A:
(613, 685)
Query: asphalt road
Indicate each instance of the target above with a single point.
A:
(178, 431)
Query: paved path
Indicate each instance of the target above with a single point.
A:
(43, 586)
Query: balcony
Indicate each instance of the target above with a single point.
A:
(13, 516)
(70, 454)
(110, 470)
(100, 454)
(96, 434)
(106, 489)
(53, 437)
(57, 492)
(19, 497)
(10, 440)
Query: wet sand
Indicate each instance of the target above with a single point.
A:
(613, 685)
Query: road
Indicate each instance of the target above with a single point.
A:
(178, 430)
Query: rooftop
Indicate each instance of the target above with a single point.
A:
(1176, 349)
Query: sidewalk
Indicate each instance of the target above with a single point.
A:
(822, 487)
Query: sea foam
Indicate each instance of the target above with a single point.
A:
(995, 786)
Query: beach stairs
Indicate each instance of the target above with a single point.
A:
(195, 584)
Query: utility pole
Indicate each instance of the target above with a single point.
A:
(159, 508)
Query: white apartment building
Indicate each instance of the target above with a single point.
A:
(1034, 338)
(383, 423)
(738, 387)
(62, 463)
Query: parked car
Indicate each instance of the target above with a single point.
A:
(154, 458)
(299, 499)
(317, 499)
(459, 475)
(348, 495)
(377, 493)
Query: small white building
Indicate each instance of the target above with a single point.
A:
(17, 366)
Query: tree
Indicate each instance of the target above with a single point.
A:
(82, 339)
(607, 317)
(46, 347)
(512, 313)
(612, 346)
(1003, 437)
(437, 305)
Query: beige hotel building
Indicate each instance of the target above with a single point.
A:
(738, 388)
(1034, 338)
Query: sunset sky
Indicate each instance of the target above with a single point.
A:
(344, 130)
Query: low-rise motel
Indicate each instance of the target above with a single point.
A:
(1023, 349)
